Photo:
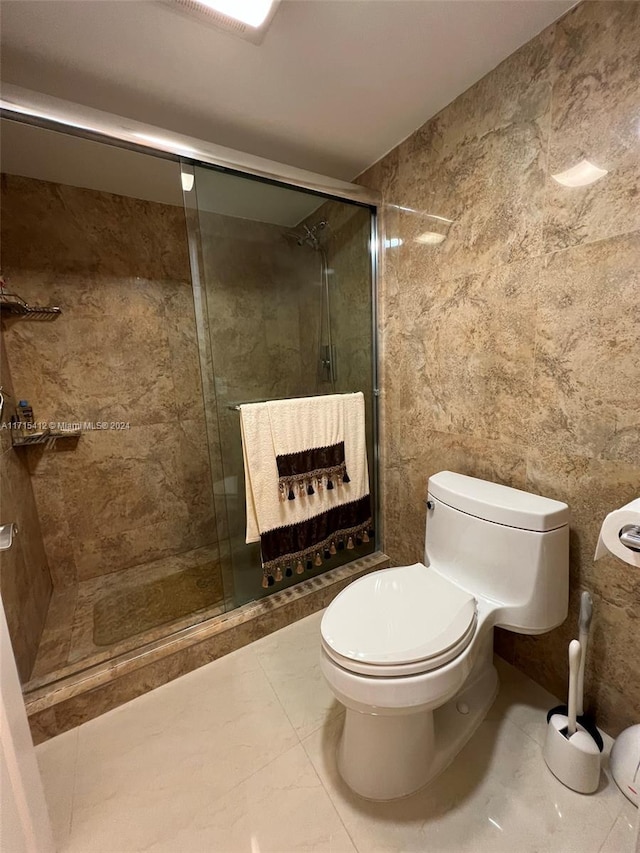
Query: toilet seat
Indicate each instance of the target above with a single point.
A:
(399, 621)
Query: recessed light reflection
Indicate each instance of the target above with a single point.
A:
(187, 181)
(580, 175)
(164, 142)
(430, 238)
(495, 823)
(393, 242)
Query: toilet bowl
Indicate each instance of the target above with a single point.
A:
(409, 650)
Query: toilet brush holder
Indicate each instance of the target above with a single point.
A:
(573, 759)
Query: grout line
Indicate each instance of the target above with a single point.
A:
(301, 742)
(275, 692)
(239, 782)
(74, 784)
(332, 799)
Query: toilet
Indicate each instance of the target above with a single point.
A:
(409, 650)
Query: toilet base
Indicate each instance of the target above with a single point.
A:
(384, 757)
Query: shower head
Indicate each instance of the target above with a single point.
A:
(308, 235)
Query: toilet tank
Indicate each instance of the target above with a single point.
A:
(501, 544)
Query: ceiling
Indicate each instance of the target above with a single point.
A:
(333, 87)
(46, 155)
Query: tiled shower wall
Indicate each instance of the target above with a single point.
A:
(124, 350)
(512, 349)
(25, 583)
(259, 286)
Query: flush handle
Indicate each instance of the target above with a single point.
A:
(7, 532)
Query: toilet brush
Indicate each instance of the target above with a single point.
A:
(585, 720)
(575, 655)
(570, 751)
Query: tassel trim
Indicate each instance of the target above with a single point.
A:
(316, 554)
(300, 485)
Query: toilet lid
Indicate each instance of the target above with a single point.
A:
(398, 616)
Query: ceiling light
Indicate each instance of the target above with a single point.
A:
(246, 19)
(187, 181)
(251, 12)
(430, 238)
(580, 175)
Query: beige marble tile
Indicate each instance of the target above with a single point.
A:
(622, 838)
(521, 701)
(588, 351)
(68, 642)
(77, 369)
(182, 340)
(188, 767)
(25, 583)
(123, 495)
(382, 176)
(194, 472)
(491, 186)
(406, 477)
(281, 807)
(290, 659)
(79, 696)
(525, 704)
(18, 609)
(171, 753)
(481, 327)
(54, 645)
(596, 102)
(6, 383)
(57, 762)
(124, 349)
(612, 671)
(497, 795)
(76, 230)
(592, 488)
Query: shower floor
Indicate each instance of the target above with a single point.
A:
(102, 617)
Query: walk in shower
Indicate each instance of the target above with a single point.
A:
(184, 289)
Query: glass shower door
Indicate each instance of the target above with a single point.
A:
(287, 310)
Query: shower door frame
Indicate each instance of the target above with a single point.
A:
(40, 110)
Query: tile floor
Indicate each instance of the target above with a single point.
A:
(239, 756)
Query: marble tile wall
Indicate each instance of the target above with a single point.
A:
(256, 279)
(345, 240)
(346, 243)
(124, 349)
(25, 583)
(510, 348)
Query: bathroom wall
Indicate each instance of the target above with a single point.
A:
(512, 349)
(25, 584)
(124, 350)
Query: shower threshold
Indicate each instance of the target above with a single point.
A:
(77, 696)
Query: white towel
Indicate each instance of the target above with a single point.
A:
(305, 436)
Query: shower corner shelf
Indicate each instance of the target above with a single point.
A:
(44, 437)
(14, 306)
